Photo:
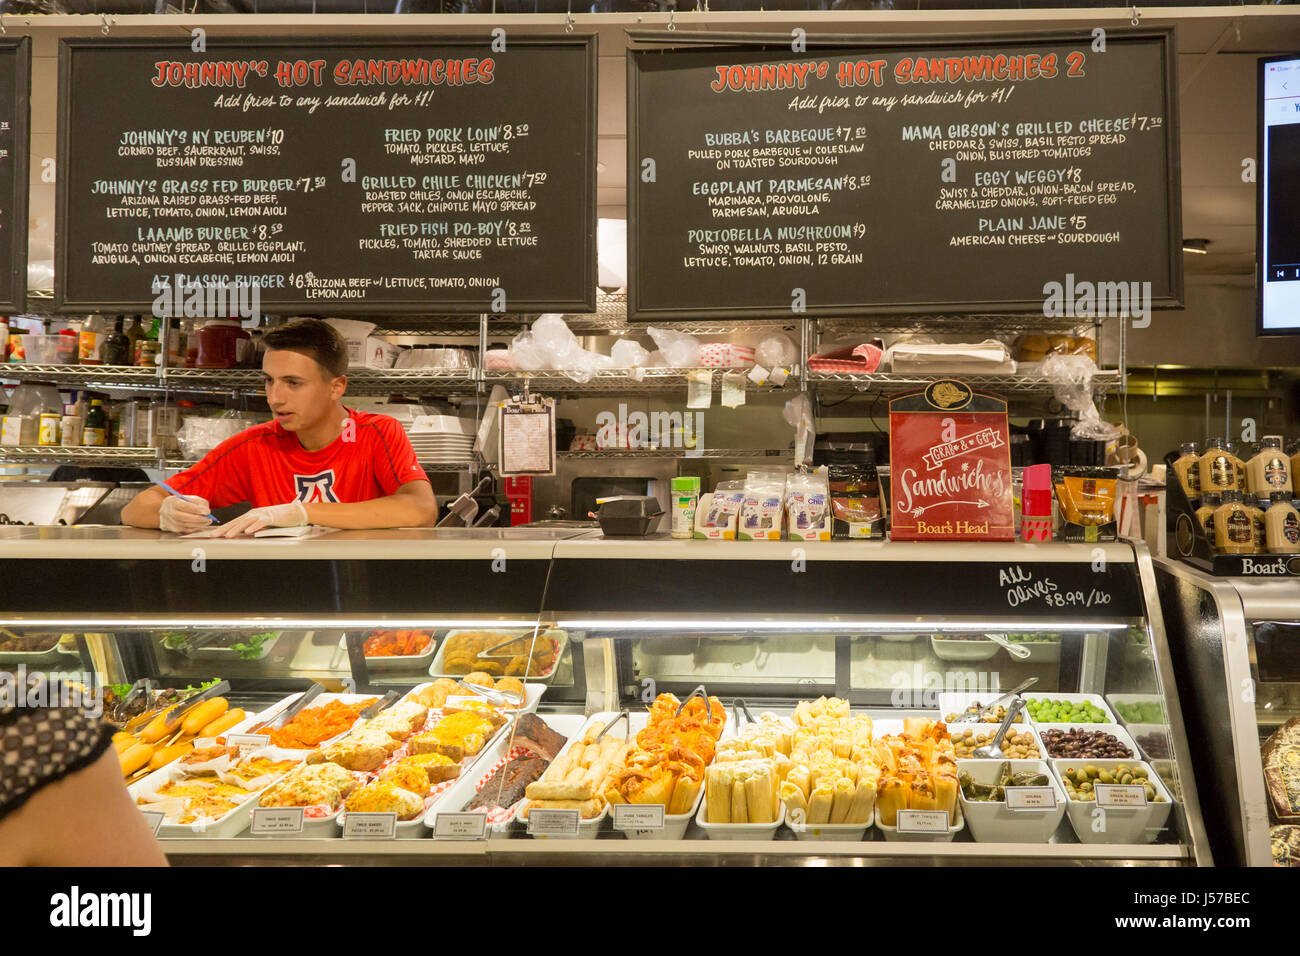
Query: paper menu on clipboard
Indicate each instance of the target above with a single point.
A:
(526, 437)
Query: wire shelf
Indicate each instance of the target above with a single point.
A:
(80, 455)
(1019, 385)
(621, 380)
(952, 324)
(657, 453)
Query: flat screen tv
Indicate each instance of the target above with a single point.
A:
(1277, 217)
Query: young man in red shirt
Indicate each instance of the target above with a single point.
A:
(317, 462)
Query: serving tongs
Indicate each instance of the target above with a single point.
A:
(486, 654)
(292, 711)
(192, 644)
(142, 686)
(1014, 692)
(625, 716)
(491, 694)
(1018, 651)
(703, 694)
(993, 749)
(738, 706)
(180, 709)
(379, 706)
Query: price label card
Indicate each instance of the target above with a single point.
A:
(1031, 798)
(553, 822)
(922, 821)
(460, 826)
(247, 743)
(277, 820)
(647, 817)
(154, 818)
(370, 826)
(1114, 796)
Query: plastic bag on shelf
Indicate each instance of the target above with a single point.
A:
(776, 351)
(550, 344)
(629, 354)
(680, 349)
(1071, 378)
(798, 414)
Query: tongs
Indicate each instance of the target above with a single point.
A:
(142, 686)
(375, 709)
(703, 694)
(625, 716)
(216, 690)
(514, 640)
(1015, 691)
(292, 711)
(140, 721)
(738, 706)
(491, 694)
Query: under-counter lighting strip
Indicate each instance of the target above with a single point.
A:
(373, 621)
(743, 624)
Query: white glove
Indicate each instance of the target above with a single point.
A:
(289, 515)
(184, 515)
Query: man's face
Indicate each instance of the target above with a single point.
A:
(299, 390)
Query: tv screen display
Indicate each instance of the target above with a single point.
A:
(1278, 211)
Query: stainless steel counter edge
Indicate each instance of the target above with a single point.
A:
(537, 543)
(702, 851)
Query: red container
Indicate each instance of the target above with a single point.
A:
(222, 344)
(520, 493)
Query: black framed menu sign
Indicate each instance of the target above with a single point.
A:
(379, 175)
(861, 176)
(15, 91)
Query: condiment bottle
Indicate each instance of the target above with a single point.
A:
(1294, 452)
(1270, 470)
(686, 496)
(1218, 470)
(95, 432)
(1205, 514)
(1234, 532)
(1282, 525)
(1188, 471)
(1256, 513)
(1238, 465)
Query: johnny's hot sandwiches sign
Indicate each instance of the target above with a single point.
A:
(949, 465)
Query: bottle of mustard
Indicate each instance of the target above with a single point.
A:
(1218, 471)
(1205, 514)
(1282, 525)
(1256, 513)
(1238, 464)
(1188, 471)
(1234, 532)
(1270, 470)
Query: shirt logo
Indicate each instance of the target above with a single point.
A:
(314, 489)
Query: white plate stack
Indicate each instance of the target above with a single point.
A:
(442, 439)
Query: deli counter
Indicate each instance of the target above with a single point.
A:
(576, 699)
(1236, 649)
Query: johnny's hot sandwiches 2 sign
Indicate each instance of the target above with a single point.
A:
(949, 465)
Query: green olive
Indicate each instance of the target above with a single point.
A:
(1105, 777)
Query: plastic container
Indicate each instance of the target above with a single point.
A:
(229, 655)
(395, 663)
(993, 822)
(222, 344)
(950, 702)
(1116, 730)
(629, 515)
(532, 696)
(949, 650)
(560, 637)
(1092, 824)
(832, 832)
(1095, 699)
(892, 835)
(737, 831)
(1122, 703)
(51, 349)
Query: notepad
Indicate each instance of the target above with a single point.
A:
(298, 531)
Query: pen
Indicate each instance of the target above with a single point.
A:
(172, 491)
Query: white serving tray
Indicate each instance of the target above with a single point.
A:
(953, 702)
(405, 663)
(892, 834)
(739, 831)
(1117, 700)
(1115, 729)
(1137, 825)
(1095, 699)
(992, 822)
(947, 650)
(532, 696)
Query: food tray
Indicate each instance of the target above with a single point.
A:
(232, 824)
(532, 696)
(952, 702)
(1138, 731)
(991, 729)
(1138, 825)
(325, 826)
(1119, 732)
(226, 654)
(1040, 652)
(738, 831)
(495, 755)
(947, 650)
(561, 637)
(892, 834)
(1118, 701)
(833, 832)
(39, 658)
(897, 637)
(278, 708)
(403, 663)
(1095, 699)
(993, 823)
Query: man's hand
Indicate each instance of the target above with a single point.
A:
(289, 515)
(184, 515)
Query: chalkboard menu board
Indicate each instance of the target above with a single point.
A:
(15, 89)
(1008, 174)
(425, 174)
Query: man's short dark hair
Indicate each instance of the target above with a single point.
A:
(315, 339)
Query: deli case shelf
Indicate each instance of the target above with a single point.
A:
(872, 645)
(1235, 643)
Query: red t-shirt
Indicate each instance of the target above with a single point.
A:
(267, 465)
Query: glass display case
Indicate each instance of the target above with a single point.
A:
(898, 646)
(1235, 643)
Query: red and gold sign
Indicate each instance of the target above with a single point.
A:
(949, 465)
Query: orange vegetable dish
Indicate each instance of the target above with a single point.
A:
(396, 643)
(317, 724)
